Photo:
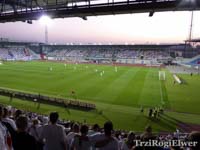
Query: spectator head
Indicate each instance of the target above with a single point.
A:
(17, 113)
(96, 127)
(131, 136)
(148, 129)
(138, 137)
(9, 108)
(195, 137)
(75, 128)
(118, 134)
(84, 129)
(22, 123)
(1, 112)
(108, 128)
(5, 112)
(35, 122)
(53, 117)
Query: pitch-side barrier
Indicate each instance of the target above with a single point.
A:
(38, 98)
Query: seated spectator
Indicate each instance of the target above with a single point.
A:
(22, 140)
(105, 141)
(82, 142)
(53, 135)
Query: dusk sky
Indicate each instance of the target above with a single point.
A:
(166, 27)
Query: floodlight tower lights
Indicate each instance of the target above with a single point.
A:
(45, 20)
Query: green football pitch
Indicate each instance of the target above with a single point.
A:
(118, 92)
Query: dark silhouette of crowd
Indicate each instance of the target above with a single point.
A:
(21, 130)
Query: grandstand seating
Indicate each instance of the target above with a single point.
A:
(17, 53)
(117, 55)
(93, 54)
(194, 61)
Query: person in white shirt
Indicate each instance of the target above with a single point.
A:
(53, 135)
(129, 142)
(82, 142)
(70, 136)
(3, 145)
(7, 119)
(2, 141)
(95, 130)
(105, 141)
(33, 130)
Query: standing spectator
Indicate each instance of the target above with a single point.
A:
(95, 130)
(53, 135)
(106, 141)
(147, 133)
(22, 140)
(2, 141)
(7, 119)
(17, 114)
(33, 130)
(70, 136)
(129, 143)
(3, 145)
(82, 142)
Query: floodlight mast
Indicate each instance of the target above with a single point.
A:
(45, 20)
(191, 27)
(46, 34)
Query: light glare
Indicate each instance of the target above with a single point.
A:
(45, 20)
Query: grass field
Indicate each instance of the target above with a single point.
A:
(119, 95)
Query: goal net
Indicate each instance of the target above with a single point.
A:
(161, 75)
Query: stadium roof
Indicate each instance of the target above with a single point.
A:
(193, 40)
(117, 46)
(22, 10)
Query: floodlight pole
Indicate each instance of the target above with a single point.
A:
(46, 34)
(191, 27)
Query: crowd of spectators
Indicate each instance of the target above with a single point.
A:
(76, 55)
(16, 53)
(111, 54)
(30, 131)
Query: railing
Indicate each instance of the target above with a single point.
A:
(38, 98)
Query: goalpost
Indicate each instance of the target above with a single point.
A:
(161, 75)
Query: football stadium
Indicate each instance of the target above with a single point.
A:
(88, 96)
